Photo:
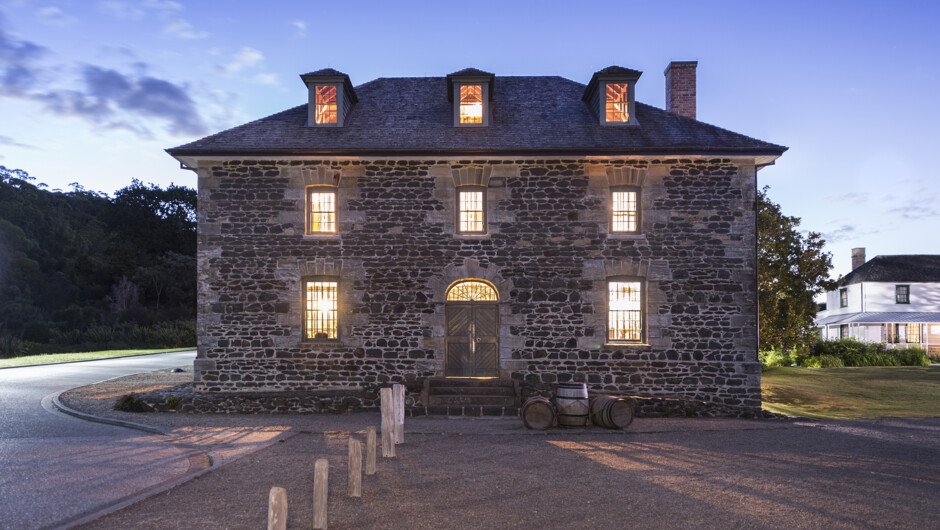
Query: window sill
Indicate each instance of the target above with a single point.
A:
(322, 236)
(623, 344)
(626, 236)
(472, 236)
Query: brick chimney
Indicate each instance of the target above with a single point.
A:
(858, 257)
(680, 88)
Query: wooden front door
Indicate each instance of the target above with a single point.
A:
(472, 340)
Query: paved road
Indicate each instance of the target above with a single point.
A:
(54, 468)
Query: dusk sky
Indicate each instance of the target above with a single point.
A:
(94, 91)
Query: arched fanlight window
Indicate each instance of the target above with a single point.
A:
(472, 291)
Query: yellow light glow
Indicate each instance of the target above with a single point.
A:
(617, 102)
(320, 314)
(624, 311)
(322, 211)
(471, 291)
(471, 104)
(325, 104)
(624, 211)
(471, 211)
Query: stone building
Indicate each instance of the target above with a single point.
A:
(529, 229)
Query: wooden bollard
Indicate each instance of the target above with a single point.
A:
(277, 509)
(398, 400)
(355, 468)
(388, 424)
(370, 451)
(321, 476)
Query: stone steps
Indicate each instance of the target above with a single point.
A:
(469, 397)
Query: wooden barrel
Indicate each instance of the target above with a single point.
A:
(572, 402)
(538, 413)
(611, 412)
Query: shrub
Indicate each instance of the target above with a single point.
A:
(131, 403)
(823, 361)
(11, 346)
(912, 356)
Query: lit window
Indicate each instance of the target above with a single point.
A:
(320, 310)
(902, 294)
(625, 312)
(471, 214)
(326, 104)
(843, 298)
(625, 210)
(322, 208)
(913, 333)
(471, 291)
(617, 102)
(471, 104)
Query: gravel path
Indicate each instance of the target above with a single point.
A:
(479, 473)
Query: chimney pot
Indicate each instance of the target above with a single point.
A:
(858, 257)
(680, 88)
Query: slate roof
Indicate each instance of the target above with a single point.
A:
(530, 115)
(326, 72)
(904, 268)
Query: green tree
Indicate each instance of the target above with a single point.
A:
(792, 270)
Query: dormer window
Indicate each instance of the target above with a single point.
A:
(330, 98)
(617, 103)
(471, 92)
(611, 94)
(471, 104)
(325, 104)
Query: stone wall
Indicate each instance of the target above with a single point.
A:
(547, 250)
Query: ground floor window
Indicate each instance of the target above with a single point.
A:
(913, 333)
(625, 314)
(320, 309)
(844, 331)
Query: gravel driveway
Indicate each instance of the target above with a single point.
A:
(492, 473)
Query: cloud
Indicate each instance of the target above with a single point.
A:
(853, 197)
(116, 101)
(301, 27)
(137, 10)
(841, 233)
(265, 79)
(181, 29)
(916, 211)
(121, 10)
(6, 140)
(245, 58)
(54, 16)
(18, 69)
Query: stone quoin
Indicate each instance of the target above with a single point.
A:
(530, 229)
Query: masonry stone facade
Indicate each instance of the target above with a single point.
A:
(528, 230)
(548, 251)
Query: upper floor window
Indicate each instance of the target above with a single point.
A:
(843, 297)
(321, 210)
(471, 104)
(617, 102)
(625, 210)
(321, 315)
(325, 104)
(625, 313)
(902, 294)
(471, 210)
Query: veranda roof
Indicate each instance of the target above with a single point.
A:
(887, 317)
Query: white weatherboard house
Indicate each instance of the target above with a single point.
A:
(890, 299)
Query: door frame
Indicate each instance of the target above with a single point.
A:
(473, 303)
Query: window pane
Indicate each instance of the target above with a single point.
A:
(471, 291)
(913, 333)
(471, 211)
(325, 104)
(625, 311)
(618, 104)
(625, 210)
(471, 104)
(902, 294)
(320, 310)
(323, 211)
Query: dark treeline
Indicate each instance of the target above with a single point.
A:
(83, 270)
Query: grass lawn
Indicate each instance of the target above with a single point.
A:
(851, 393)
(49, 358)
